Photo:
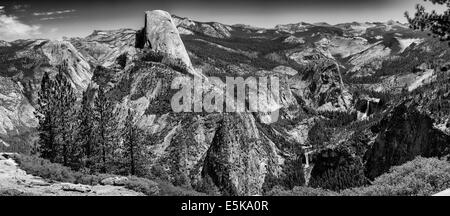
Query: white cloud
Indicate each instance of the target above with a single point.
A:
(20, 7)
(11, 28)
(53, 18)
(53, 12)
(50, 18)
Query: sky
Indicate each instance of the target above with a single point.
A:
(21, 19)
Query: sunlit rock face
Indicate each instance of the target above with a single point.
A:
(78, 69)
(16, 113)
(212, 29)
(162, 36)
(321, 88)
(104, 47)
(244, 153)
(403, 135)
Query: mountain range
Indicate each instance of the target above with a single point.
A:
(360, 97)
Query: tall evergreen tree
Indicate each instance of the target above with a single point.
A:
(107, 132)
(438, 24)
(65, 115)
(85, 133)
(44, 112)
(56, 110)
(133, 146)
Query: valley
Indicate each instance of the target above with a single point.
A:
(361, 99)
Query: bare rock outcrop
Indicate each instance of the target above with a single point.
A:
(4, 44)
(233, 153)
(78, 69)
(75, 187)
(104, 47)
(189, 27)
(16, 113)
(16, 181)
(162, 36)
(321, 87)
(115, 181)
(409, 131)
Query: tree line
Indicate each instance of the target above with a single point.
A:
(87, 134)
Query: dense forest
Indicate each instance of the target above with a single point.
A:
(85, 135)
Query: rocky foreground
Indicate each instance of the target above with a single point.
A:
(443, 193)
(17, 181)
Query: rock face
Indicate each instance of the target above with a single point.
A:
(22, 66)
(445, 193)
(344, 46)
(15, 110)
(366, 62)
(238, 153)
(162, 36)
(321, 87)
(78, 69)
(238, 159)
(405, 134)
(294, 40)
(104, 47)
(4, 44)
(216, 30)
(115, 181)
(17, 119)
(189, 27)
(294, 27)
(75, 187)
(229, 152)
(366, 106)
(12, 178)
(416, 126)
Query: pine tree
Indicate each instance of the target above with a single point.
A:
(56, 110)
(107, 132)
(85, 133)
(133, 146)
(340, 178)
(44, 112)
(438, 24)
(65, 124)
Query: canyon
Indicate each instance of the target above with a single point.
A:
(358, 96)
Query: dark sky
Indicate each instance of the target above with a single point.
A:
(57, 18)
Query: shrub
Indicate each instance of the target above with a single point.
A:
(320, 134)
(420, 177)
(45, 169)
(207, 186)
(56, 172)
(13, 192)
(167, 189)
(301, 191)
(122, 60)
(153, 56)
(145, 186)
(340, 178)
(177, 64)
